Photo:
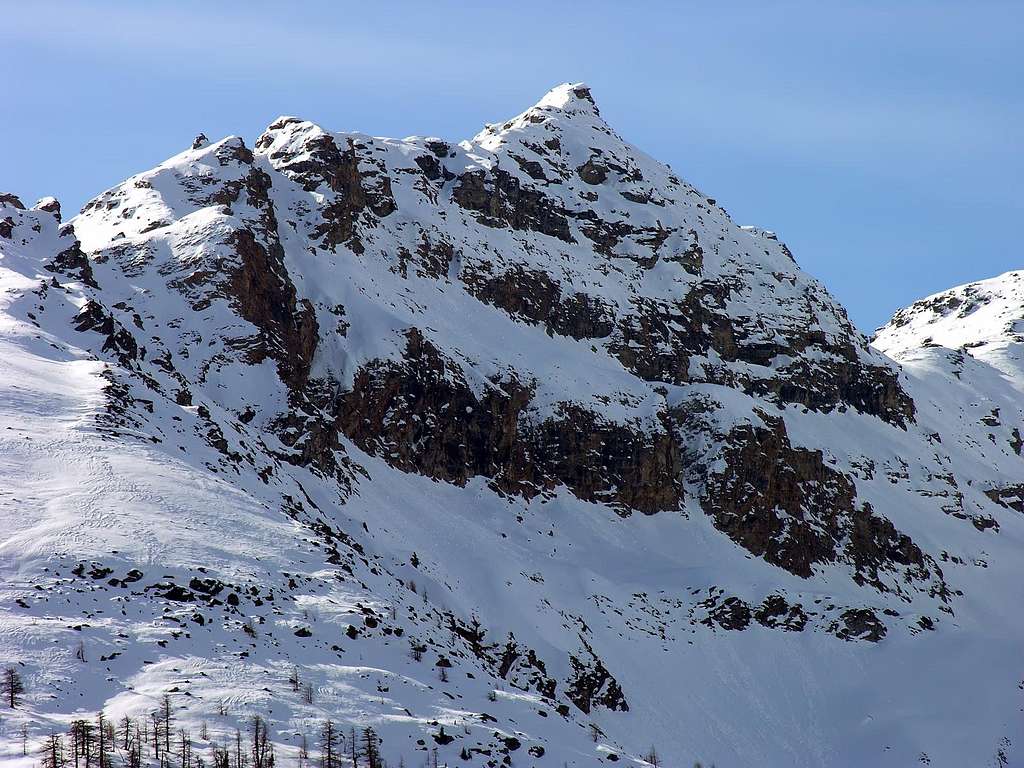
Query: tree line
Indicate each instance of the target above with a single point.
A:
(154, 741)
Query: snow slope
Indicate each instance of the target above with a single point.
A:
(518, 448)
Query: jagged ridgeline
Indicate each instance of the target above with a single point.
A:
(339, 449)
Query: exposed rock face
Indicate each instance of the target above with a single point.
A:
(117, 339)
(524, 669)
(875, 545)
(72, 261)
(266, 298)
(501, 201)
(592, 685)
(533, 296)
(731, 613)
(12, 200)
(592, 172)
(51, 205)
(422, 416)
(824, 386)
(1010, 496)
(821, 373)
(777, 612)
(401, 410)
(780, 503)
(788, 506)
(313, 159)
(646, 343)
(859, 624)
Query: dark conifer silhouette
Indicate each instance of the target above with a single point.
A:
(371, 748)
(329, 752)
(11, 687)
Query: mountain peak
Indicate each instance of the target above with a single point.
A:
(525, 423)
(570, 97)
(569, 106)
(566, 102)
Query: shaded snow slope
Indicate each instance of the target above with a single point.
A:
(517, 448)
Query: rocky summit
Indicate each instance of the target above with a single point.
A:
(513, 451)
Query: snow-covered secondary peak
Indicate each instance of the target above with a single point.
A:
(975, 317)
(517, 447)
(983, 320)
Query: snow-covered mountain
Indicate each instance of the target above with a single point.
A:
(516, 449)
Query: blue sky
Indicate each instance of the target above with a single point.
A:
(881, 140)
